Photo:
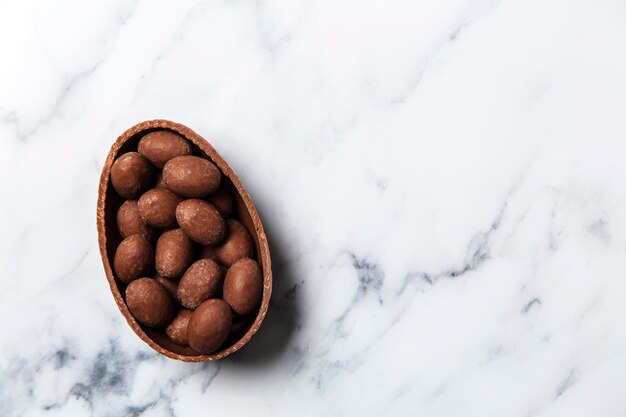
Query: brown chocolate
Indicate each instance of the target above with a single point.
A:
(157, 208)
(191, 176)
(163, 145)
(129, 222)
(134, 258)
(209, 326)
(240, 325)
(209, 252)
(203, 280)
(158, 180)
(201, 221)
(131, 175)
(222, 199)
(174, 253)
(243, 286)
(238, 244)
(177, 330)
(171, 285)
(109, 238)
(149, 302)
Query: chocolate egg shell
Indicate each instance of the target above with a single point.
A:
(134, 258)
(243, 286)
(108, 238)
(129, 222)
(177, 330)
(202, 280)
(201, 221)
(131, 175)
(174, 253)
(163, 145)
(157, 208)
(191, 176)
(209, 326)
(149, 302)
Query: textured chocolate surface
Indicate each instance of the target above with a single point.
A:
(201, 221)
(157, 208)
(129, 222)
(149, 302)
(202, 280)
(238, 244)
(177, 329)
(174, 253)
(163, 145)
(191, 176)
(243, 286)
(170, 284)
(209, 326)
(134, 258)
(131, 175)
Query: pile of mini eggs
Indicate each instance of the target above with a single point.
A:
(188, 265)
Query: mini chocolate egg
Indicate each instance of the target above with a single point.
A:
(134, 258)
(202, 280)
(163, 145)
(131, 175)
(222, 199)
(201, 221)
(157, 208)
(174, 253)
(171, 285)
(238, 244)
(209, 326)
(149, 302)
(177, 329)
(191, 176)
(243, 286)
(129, 222)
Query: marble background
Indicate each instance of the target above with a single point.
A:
(442, 183)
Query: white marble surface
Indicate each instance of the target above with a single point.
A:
(443, 184)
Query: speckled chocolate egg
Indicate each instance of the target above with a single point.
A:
(174, 253)
(209, 326)
(163, 145)
(171, 285)
(177, 329)
(134, 258)
(238, 244)
(149, 303)
(131, 175)
(203, 280)
(223, 201)
(191, 176)
(201, 221)
(243, 286)
(129, 222)
(157, 208)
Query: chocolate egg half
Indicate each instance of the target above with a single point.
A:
(139, 181)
